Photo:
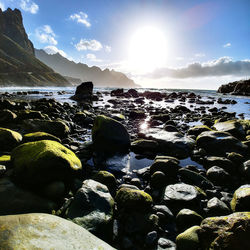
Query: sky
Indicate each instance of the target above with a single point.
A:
(190, 44)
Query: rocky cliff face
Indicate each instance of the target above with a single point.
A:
(236, 88)
(18, 65)
(11, 25)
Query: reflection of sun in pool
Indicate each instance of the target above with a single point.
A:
(144, 126)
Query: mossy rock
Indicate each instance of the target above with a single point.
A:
(188, 240)
(196, 130)
(226, 232)
(233, 127)
(107, 179)
(42, 162)
(31, 114)
(4, 159)
(38, 136)
(109, 135)
(7, 116)
(131, 199)
(187, 218)
(9, 139)
(57, 128)
(241, 199)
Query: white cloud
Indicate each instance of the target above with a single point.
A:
(92, 58)
(199, 55)
(81, 17)
(227, 45)
(2, 6)
(53, 50)
(45, 34)
(29, 6)
(223, 66)
(108, 48)
(85, 44)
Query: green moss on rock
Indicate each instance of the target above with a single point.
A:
(9, 139)
(42, 162)
(133, 199)
(188, 240)
(38, 136)
(241, 199)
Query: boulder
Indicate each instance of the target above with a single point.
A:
(109, 135)
(187, 218)
(232, 127)
(42, 162)
(217, 207)
(219, 177)
(132, 199)
(167, 165)
(15, 200)
(241, 199)
(172, 143)
(225, 232)
(84, 92)
(181, 195)
(92, 208)
(45, 231)
(7, 116)
(38, 136)
(107, 179)
(196, 130)
(188, 240)
(9, 139)
(57, 128)
(219, 143)
(144, 146)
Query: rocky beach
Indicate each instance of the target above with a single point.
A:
(123, 169)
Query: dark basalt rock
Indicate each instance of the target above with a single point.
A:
(83, 92)
(236, 88)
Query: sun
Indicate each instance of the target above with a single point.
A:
(147, 49)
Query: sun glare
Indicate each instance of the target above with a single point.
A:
(147, 49)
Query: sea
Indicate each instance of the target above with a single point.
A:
(241, 107)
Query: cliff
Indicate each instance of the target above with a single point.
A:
(18, 65)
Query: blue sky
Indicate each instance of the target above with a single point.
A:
(203, 43)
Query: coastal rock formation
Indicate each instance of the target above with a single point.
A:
(18, 65)
(236, 88)
(84, 92)
(104, 78)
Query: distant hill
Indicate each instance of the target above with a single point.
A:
(105, 78)
(241, 87)
(18, 64)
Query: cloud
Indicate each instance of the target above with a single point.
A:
(108, 49)
(29, 6)
(2, 6)
(227, 45)
(220, 67)
(81, 17)
(85, 44)
(53, 50)
(92, 58)
(45, 34)
(200, 55)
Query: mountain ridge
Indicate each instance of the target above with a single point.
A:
(105, 78)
